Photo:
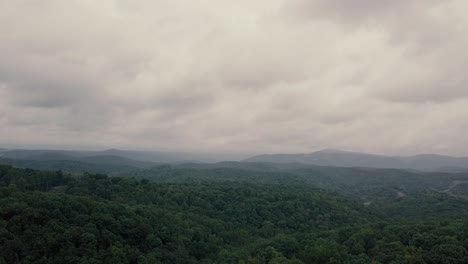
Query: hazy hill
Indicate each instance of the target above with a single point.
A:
(146, 156)
(337, 158)
(70, 166)
(117, 160)
(39, 154)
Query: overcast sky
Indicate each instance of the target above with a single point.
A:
(260, 76)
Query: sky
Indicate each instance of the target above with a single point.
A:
(260, 76)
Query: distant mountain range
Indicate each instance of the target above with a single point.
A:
(71, 161)
(111, 160)
(339, 158)
(147, 156)
(105, 161)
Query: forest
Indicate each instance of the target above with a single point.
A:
(233, 213)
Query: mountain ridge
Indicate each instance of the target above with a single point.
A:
(340, 158)
(144, 156)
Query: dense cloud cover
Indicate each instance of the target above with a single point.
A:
(257, 75)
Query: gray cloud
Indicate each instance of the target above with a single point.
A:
(358, 11)
(259, 76)
(348, 11)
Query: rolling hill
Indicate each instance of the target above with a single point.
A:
(146, 156)
(338, 158)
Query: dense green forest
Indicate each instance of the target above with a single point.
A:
(233, 213)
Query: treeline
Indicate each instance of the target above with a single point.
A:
(51, 217)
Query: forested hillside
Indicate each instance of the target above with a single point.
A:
(52, 217)
(377, 186)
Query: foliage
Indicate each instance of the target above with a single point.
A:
(52, 217)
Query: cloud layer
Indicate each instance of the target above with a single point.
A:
(255, 76)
